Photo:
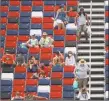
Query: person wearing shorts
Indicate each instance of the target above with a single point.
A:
(80, 21)
(81, 74)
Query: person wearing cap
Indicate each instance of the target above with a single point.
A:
(80, 21)
(61, 18)
(81, 72)
(46, 41)
(70, 59)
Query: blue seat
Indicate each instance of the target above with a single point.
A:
(44, 95)
(50, 32)
(107, 31)
(48, 14)
(22, 50)
(57, 68)
(58, 49)
(26, 3)
(44, 82)
(4, 2)
(71, 20)
(19, 76)
(107, 87)
(35, 55)
(46, 62)
(106, 19)
(6, 88)
(12, 32)
(25, 14)
(107, 55)
(106, 8)
(24, 32)
(106, 68)
(3, 26)
(67, 94)
(2, 44)
(2, 38)
(37, 8)
(25, 19)
(58, 38)
(33, 70)
(4, 14)
(6, 82)
(68, 75)
(59, 2)
(67, 88)
(56, 82)
(36, 26)
(5, 95)
(24, 25)
(70, 32)
(14, 8)
(51, 2)
(31, 88)
(107, 74)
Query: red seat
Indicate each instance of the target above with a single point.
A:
(14, 3)
(3, 19)
(56, 88)
(56, 8)
(106, 13)
(11, 44)
(106, 37)
(47, 20)
(12, 26)
(11, 38)
(68, 81)
(72, 3)
(29, 75)
(56, 95)
(18, 88)
(21, 94)
(46, 50)
(31, 82)
(47, 25)
(70, 37)
(107, 48)
(55, 75)
(13, 14)
(72, 14)
(26, 8)
(106, 61)
(37, 3)
(18, 82)
(48, 8)
(59, 32)
(58, 43)
(34, 50)
(3, 32)
(36, 20)
(4, 8)
(20, 69)
(69, 68)
(46, 56)
(23, 38)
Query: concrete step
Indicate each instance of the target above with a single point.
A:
(92, 57)
(92, 45)
(92, 51)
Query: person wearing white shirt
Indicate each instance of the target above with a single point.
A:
(70, 59)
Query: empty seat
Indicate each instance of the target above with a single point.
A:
(12, 32)
(4, 8)
(6, 82)
(37, 14)
(67, 94)
(38, 32)
(70, 37)
(37, 3)
(31, 88)
(26, 8)
(13, 14)
(11, 38)
(48, 14)
(68, 81)
(36, 20)
(46, 50)
(56, 88)
(59, 32)
(46, 95)
(24, 26)
(20, 69)
(46, 56)
(19, 76)
(43, 89)
(7, 70)
(44, 81)
(12, 26)
(6, 88)
(61, 2)
(24, 32)
(37, 8)
(34, 50)
(29, 3)
(14, 8)
(4, 14)
(7, 76)
(25, 14)
(46, 2)
(18, 88)
(57, 68)
(14, 3)
(31, 82)
(56, 75)
(5, 95)
(58, 43)
(19, 82)
(67, 88)
(29, 75)
(69, 68)
(4, 3)
(58, 38)
(70, 32)
(48, 8)
(12, 20)
(47, 25)
(47, 20)
(3, 20)
(36, 26)
(56, 81)
(23, 38)
(72, 3)
(107, 13)
(3, 32)
(25, 19)
(57, 49)
(70, 44)
(68, 75)
(56, 95)
(106, 61)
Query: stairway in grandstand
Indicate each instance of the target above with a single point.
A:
(95, 50)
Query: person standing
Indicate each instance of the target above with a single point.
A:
(80, 21)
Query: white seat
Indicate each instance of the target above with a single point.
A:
(71, 26)
(43, 89)
(7, 76)
(37, 32)
(106, 3)
(107, 94)
(37, 14)
(106, 25)
(73, 49)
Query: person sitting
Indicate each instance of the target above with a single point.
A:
(32, 42)
(8, 60)
(61, 18)
(70, 59)
(17, 97)
(20, 60)
(35, 76)
(46, 41)
(58, 59)
(32, 64)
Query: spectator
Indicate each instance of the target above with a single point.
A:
(8, 60)
(32, 42)
(33, 64)
(20, 60)
(61, 18)
(35, 76)
(17, 97)
(70, 59)
(81, 75)
(82, 17)
(41, 75)
(58, 59)
(46, 41)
